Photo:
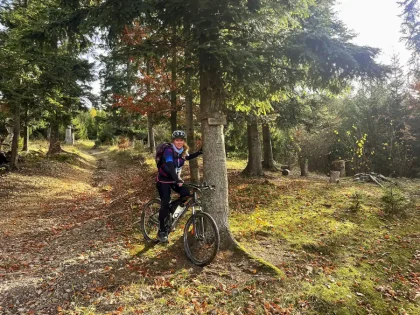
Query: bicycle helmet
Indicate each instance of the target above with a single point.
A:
(179, 134)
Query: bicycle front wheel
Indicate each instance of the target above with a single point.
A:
(201, 239)
(149, 221)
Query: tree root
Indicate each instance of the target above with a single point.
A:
(272, 169)
(262, 262)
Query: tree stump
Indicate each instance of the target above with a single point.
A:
(335, 177)
(340, 166)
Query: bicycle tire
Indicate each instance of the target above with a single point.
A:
(149, 220)
(193, 241)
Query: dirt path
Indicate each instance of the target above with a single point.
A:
(51, 228)
(68, 244)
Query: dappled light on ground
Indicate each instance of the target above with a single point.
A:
(70, 245)
(337, 258)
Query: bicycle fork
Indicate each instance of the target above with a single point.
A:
(198, 224)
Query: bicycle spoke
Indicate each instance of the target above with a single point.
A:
(149, 224)
(201, 239)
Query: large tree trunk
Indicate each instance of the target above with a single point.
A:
(303, 163)
(174, 65)
(194, 170)
(55, 146)
(254, 166)
(151, 135)
(15, 139)
(268, 149)
(26, 135)
(214, 157)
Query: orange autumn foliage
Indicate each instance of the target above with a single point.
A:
(154, 83)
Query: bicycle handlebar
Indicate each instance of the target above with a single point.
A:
(200, 187)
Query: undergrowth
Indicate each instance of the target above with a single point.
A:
(341, 251)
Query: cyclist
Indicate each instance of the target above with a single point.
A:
(168, 177)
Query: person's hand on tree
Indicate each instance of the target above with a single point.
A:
(199, 143)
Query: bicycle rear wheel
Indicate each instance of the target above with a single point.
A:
(149, 221)
(201, 239)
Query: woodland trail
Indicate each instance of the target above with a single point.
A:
(68, 245)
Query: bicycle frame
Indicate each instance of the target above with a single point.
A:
(191, 202)
(201, 234)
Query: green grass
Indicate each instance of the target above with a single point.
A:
(352, 256)
(84, 144)
(236, 164)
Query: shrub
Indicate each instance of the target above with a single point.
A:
(396, 202)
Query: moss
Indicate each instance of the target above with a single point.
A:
(236, 164)
(136, 249)
(206, 289)
(347, 291)
(84, 144)
(263, 263)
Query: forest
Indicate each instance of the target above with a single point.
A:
(278, 97)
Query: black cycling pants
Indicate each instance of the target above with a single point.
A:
(165, 197)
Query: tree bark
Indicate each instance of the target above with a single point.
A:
(254, 166)
(151, 135)
(15, 139)
(26, 135)
(214, 157)
(269, 163)
(174, 65)
(303, 163)
(55, 146)
(194, 170)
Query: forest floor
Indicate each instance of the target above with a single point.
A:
(68, 244)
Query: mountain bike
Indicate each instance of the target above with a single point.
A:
(201, 235)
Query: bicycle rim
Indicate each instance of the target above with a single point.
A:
(149, 222)
(201, 239)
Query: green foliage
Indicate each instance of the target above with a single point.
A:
(43, 75)
(284, 146)
(373, 129)
(411, 13)
(106, 135)
(396, 202)
(236, 137)
(356, 201)
(85, 125)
